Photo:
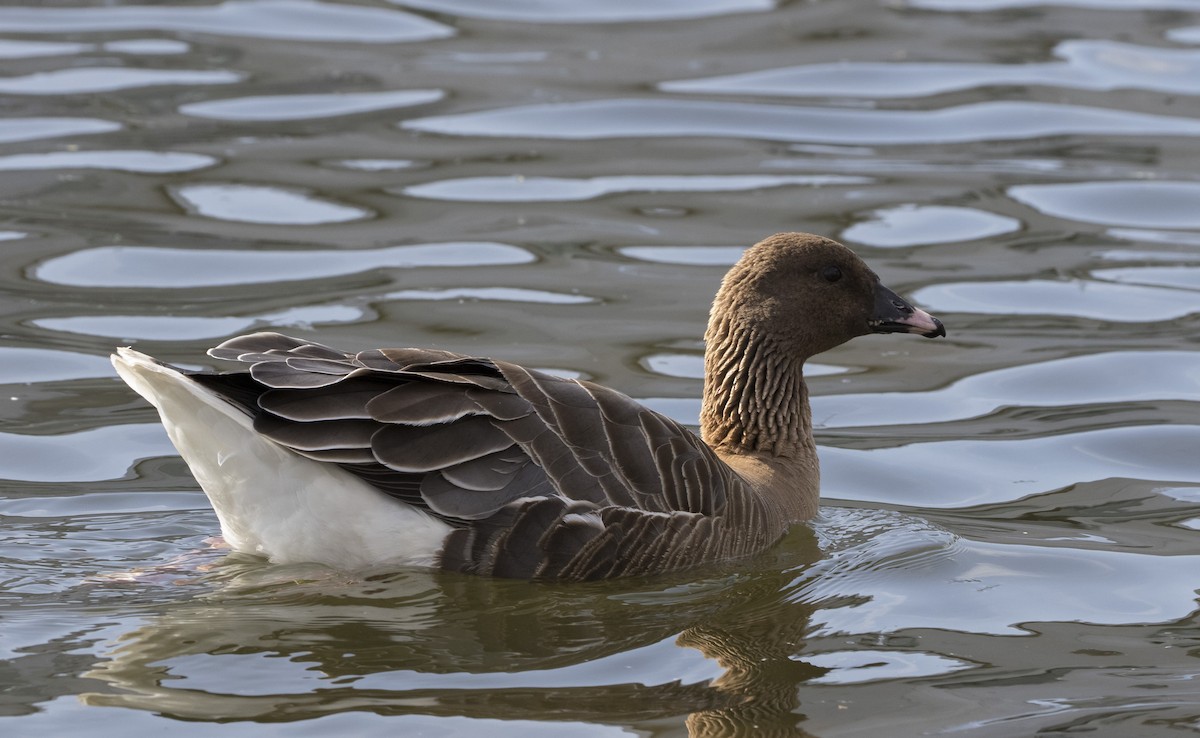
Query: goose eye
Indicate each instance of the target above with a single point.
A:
(831, 273)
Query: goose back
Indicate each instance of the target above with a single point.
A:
(538, 476)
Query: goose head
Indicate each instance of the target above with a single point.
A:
(804, 294)
(788, 298)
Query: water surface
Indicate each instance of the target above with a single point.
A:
(1010, 538)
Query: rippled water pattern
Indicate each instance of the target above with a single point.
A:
(1010, 542)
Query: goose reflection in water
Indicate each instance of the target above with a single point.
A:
(419, 642)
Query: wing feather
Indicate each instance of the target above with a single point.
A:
(256, 343)
(279, 375)
(408, 448)
(487, 473)
(340, 401)
(450, 500)
(319, 435)
(422, 403)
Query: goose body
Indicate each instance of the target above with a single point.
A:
(424, 457)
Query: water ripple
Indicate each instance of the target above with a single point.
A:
(30, 129)
(1081, 298)
(297, 20)
(986, 587)
(148, 46)
(264, 205)
(492, 294)
(1190, 35)
(26, 365)
(12, 49)
(1186, 278)
(866, 665)
(1138, 234)
(84, 456)
(131, 328)
(622, 118)
(376, 165)
(108, 79)
(685, 255)
(157, 267)
(948, 474)
(564, 189)
(1089, 65)
(142, 162)
(102, 503)
(1175, 238)
(914, 225)
(593, 11)
(1151, 204)
(1077, 380)
(305, 107)
(983, 6)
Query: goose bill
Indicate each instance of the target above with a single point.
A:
(893, 314)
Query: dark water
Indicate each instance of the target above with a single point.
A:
(1010, 542)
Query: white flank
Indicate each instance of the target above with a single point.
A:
(271, 501)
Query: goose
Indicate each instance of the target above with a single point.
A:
(423, 457)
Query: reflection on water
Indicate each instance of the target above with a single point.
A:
(295, 20)
(1075, 380)
(560, 189)
(915, 225)
(983, 6)
(1076, 297)
(104, 79)
(12, 49)
(145, 162)
(129, 328)
(1009, 538)
(626, 118)
(422, 643)
(1089, 65)
(591, 11)
(261, 204)
(29, 365)
(299, 107)
(1138, 204)
(29, 129)
(960, 473)
(153, 267)
(413, 644)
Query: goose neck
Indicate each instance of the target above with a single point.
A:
(755, 398)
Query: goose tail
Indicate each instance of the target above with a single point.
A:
(269, 500)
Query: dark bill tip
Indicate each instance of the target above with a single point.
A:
(893, 314)
(938, 328)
